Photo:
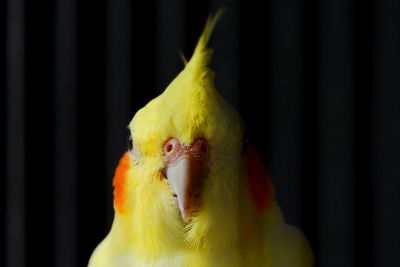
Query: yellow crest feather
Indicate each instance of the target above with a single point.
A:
(202, 53)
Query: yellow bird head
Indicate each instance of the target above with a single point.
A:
(187, 194)
(185, 160)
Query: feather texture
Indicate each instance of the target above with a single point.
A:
(238, 223)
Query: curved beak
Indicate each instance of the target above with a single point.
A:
(185, 178)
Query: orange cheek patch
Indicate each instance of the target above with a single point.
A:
(120, 183)
(260, 184)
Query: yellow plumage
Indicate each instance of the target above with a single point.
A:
(227, 230)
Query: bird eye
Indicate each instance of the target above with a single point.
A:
(132, 148)
(130, 143)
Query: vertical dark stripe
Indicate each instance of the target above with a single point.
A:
(363, 61)
(91, 127)
(285, 104)
(143, 54)
(254, 89)
(386, 135)
(118, 91)
(310, 124)
(170, 41)
(3, 133)
(39, 154)
(336, 124)
(65, 175)
(226, 47)
(15, 208)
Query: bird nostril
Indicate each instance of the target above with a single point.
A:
(169, 148)
(200, 145)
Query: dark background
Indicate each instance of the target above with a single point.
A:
(317, 82)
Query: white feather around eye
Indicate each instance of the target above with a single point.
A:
(133, 150)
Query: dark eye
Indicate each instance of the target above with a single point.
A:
(132, 148)
(130, 143)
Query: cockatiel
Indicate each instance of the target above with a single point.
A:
(189, 192)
